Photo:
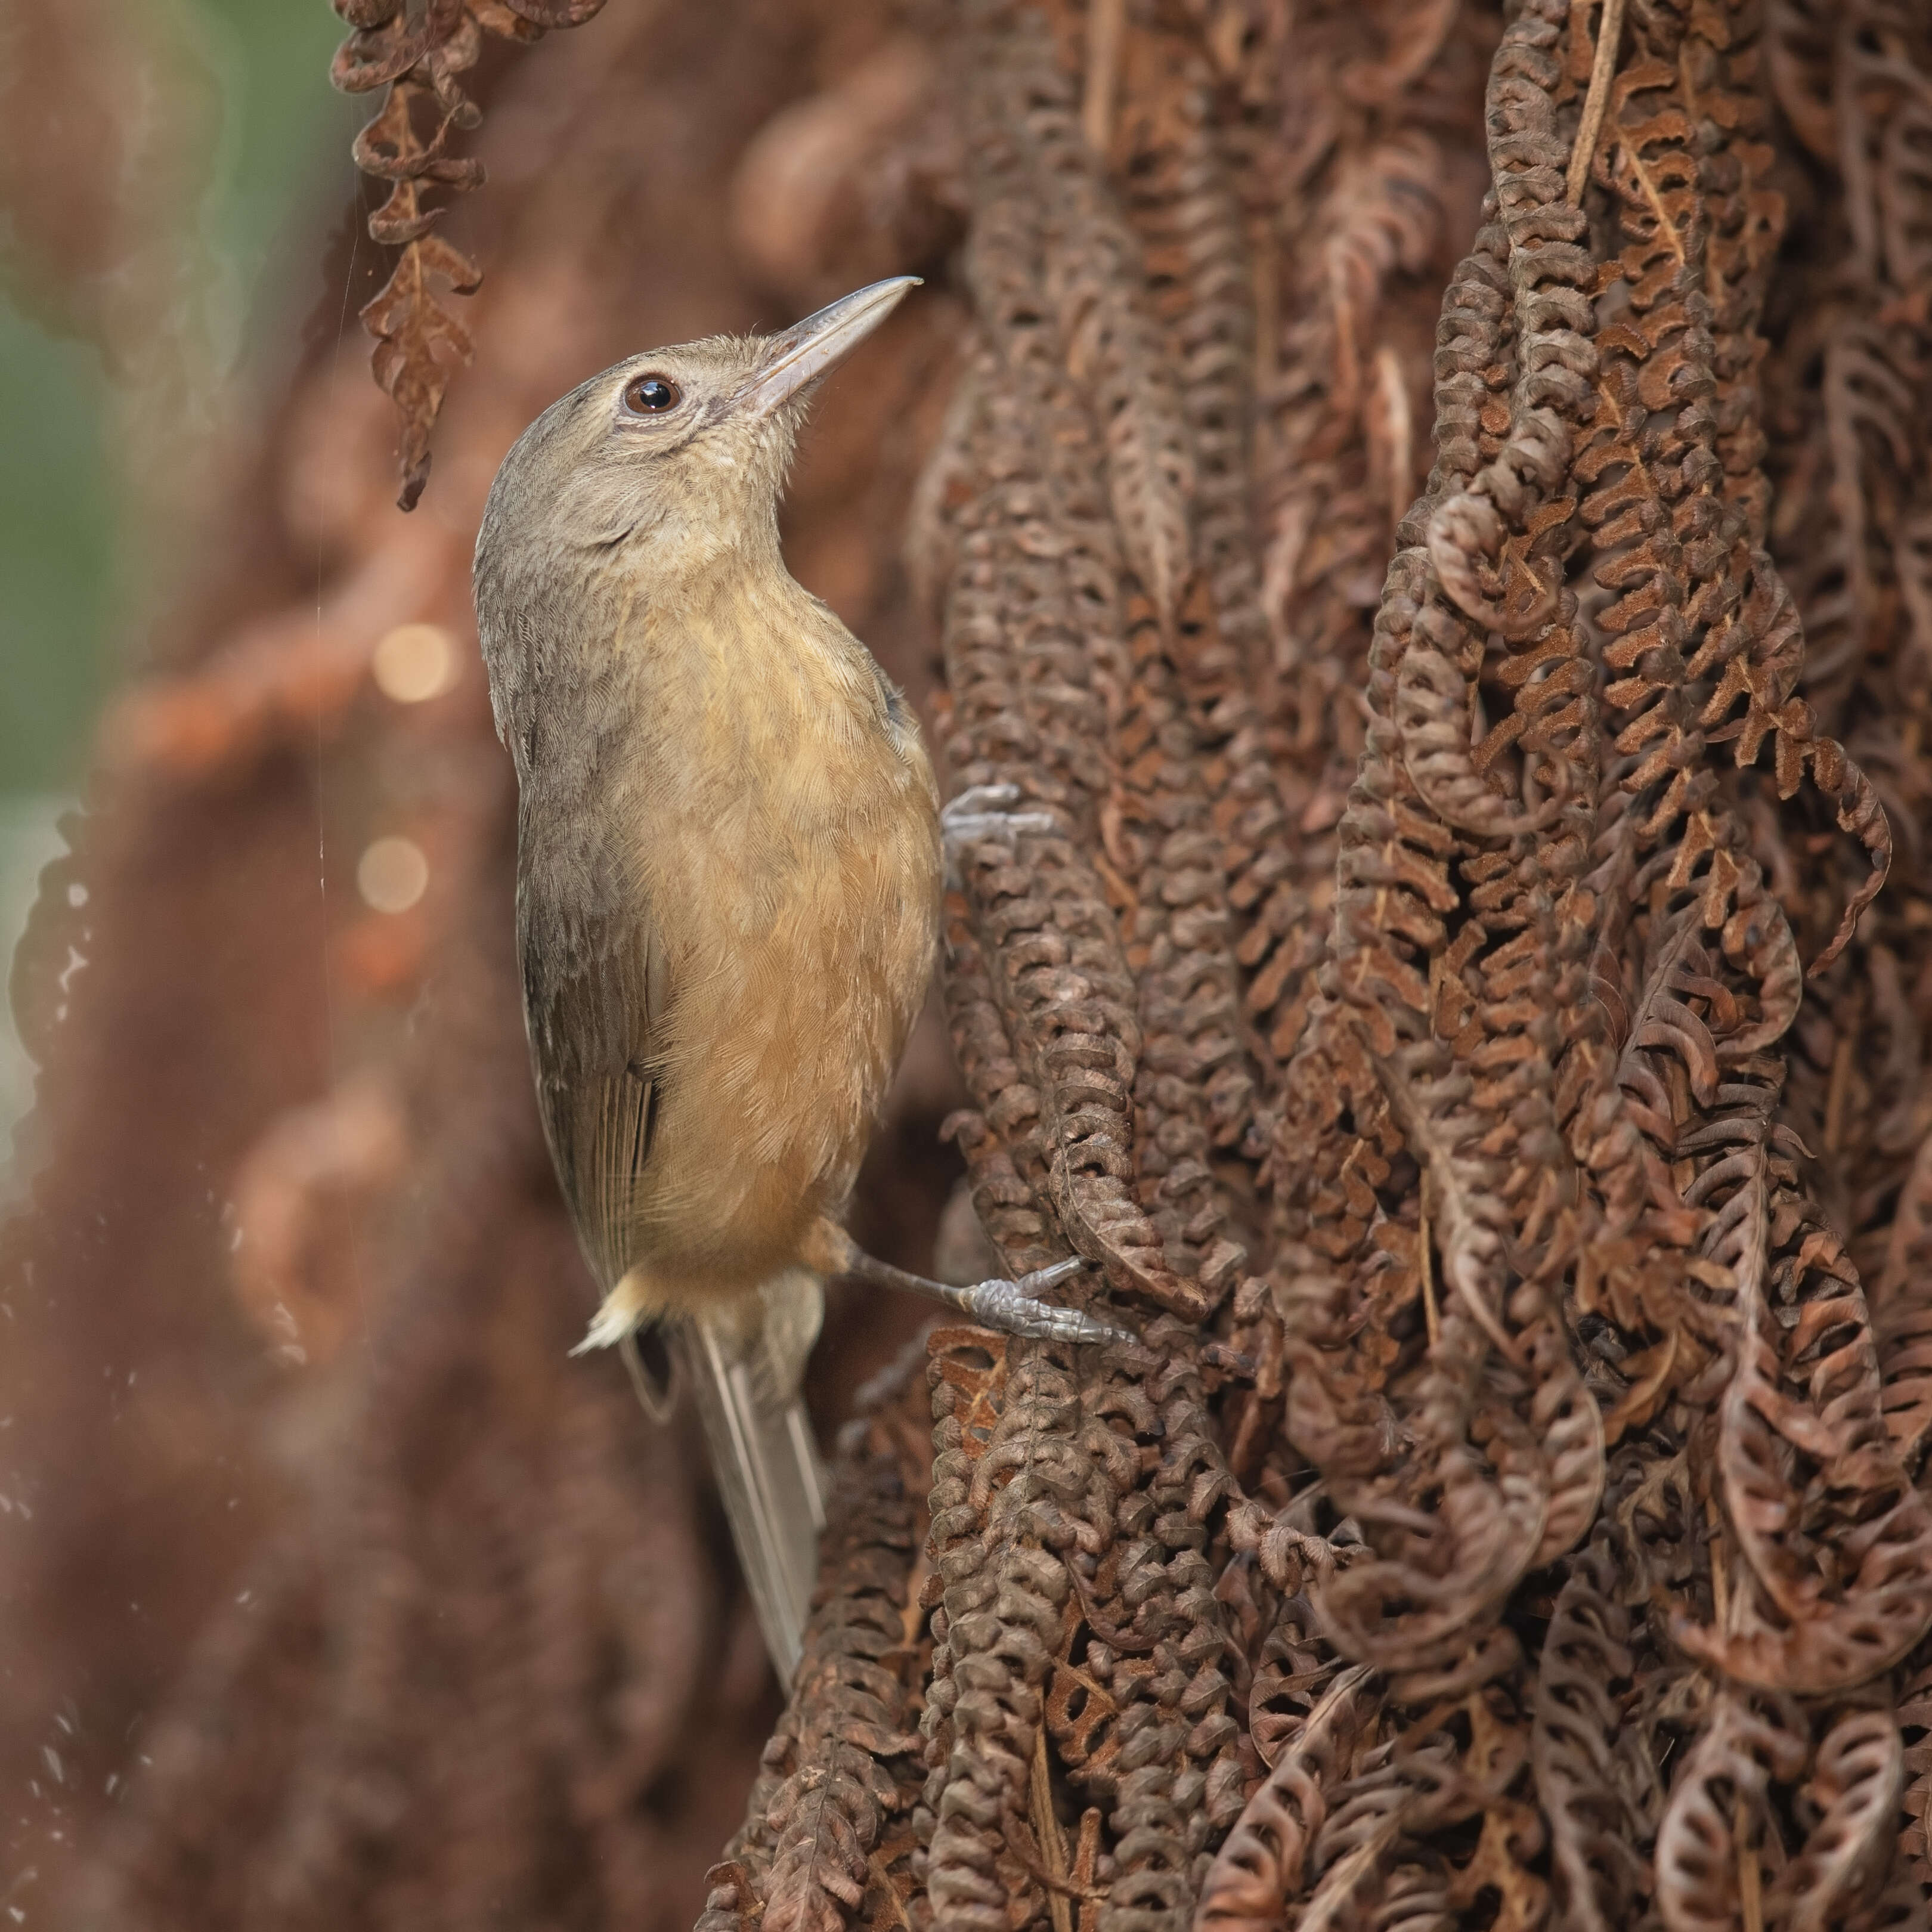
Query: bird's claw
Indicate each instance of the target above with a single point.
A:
(986, 811)
(1014, 1308)
(995, 800)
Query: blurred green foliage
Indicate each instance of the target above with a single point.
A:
(69, 614)
(56, 552)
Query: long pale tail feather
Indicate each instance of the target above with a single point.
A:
(746, 1377)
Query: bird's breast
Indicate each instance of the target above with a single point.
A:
(758, 765)
(786, 838)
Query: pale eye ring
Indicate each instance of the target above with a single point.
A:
(651, 395)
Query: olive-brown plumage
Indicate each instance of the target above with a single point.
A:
(728, 881)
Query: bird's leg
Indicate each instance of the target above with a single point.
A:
(985, 811)
(1012, 1306)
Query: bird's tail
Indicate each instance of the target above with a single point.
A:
(747, 1376)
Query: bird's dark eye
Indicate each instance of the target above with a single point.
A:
(651, 395)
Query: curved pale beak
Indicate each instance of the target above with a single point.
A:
(802, 353)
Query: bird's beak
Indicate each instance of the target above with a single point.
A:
(803, 352)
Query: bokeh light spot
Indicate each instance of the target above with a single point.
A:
(414, 661)
(392, 875)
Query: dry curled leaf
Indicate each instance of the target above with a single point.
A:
(417, 53)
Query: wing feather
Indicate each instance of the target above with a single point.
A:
(594, 998)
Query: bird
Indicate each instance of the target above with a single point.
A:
(730, 863)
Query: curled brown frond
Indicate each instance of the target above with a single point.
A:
(1260, 1866)
(418, 54)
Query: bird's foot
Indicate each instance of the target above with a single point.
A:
(1014, 1308)
(987, 812)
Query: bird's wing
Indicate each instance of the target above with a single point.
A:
(593, 998)
(745, 1377)
(592, 1007)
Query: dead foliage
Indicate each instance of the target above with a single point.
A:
(1432, 512)
(1456, 978)
(417, 54)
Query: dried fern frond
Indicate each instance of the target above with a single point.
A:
(418, 53)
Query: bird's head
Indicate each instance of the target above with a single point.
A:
(677, 455)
